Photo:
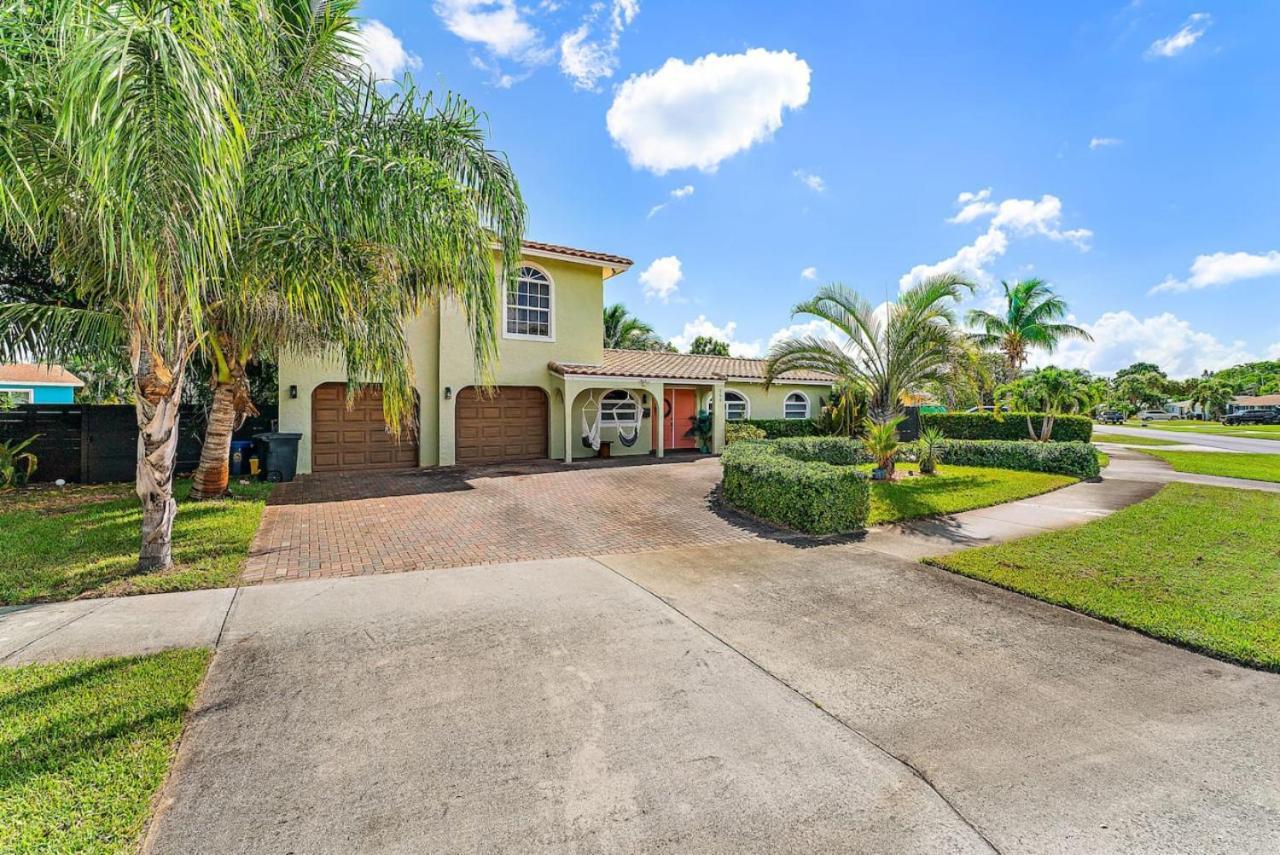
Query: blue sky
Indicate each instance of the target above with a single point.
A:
(1127, 152)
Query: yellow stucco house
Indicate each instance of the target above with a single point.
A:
(560, 393)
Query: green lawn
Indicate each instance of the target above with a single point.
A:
(1256, 467)
(954, 489)
(58, 544)
(1196, 565)
(1188, 426)
(84, 746)
(1122, 439)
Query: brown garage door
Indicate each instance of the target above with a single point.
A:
(357, 438)
(511, 425)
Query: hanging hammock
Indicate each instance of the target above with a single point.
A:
(591, 430)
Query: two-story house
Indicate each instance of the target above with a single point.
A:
(559, 392)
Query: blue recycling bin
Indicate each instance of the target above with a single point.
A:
(241, 451)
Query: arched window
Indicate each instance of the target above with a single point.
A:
(528, 307)
(796, 406)
(736, 406)
(619, 407)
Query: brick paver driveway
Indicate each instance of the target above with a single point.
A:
(388, 522)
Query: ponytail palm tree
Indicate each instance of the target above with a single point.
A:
(889, 351)
(1031, 319)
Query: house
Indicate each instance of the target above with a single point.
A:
(24, 383)
(555, 385)
(1244, 403)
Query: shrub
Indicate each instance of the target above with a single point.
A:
(778, 481)
(739, 431)
(1062, 458)
(774, 428)
(1011, 426)
(836, 450)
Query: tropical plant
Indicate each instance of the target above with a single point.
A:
(880, 439)
(17, 465)
(182, 159)
(846, 412)
(928, 447)
(898, 349)
(1052, 391)
(1212, 396)
(702, 429)
(1032, 318)
(624, 331)
(708, 346)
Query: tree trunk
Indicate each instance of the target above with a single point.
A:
(213, 474)
(159, 393)
(1031, 430)
(1046, 428)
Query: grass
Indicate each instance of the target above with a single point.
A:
(1256, 467)
(1189, 426)
(954, 489)
(1121, 439)
(1195, 565)
(84, 746)
(59, 544)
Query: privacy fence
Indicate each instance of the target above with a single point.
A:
(97, 443)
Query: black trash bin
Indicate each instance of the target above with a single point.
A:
(277, 455)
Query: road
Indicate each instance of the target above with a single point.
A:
(1229, 443)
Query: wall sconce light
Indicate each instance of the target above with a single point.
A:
(293, 392)
(448, 392)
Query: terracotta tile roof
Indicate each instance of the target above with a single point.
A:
(38, 374)
(680, 366)
(615, 261)
(1257, 400)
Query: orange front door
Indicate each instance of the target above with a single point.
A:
(680, 406)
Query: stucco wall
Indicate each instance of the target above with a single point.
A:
(47, 394)
(767, 404)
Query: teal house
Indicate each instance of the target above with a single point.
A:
(38, 384)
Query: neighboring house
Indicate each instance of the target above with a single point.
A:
(38, 384)
(1244, 403)
(552, 366)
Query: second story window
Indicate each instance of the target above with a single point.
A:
(529, 307)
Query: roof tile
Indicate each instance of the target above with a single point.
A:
(660, 365)
(27, 373)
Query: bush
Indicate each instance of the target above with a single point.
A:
(1062, 458)
(836, 450)
(739, 431)
(774, 428)
(787, 482)
(1011, 426)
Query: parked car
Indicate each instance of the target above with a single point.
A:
(1253, 417)
(1111, 417)
(1157, 416)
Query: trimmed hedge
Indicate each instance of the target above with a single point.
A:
(775, 428)
(768, 480)
(1011, 426)
(738, 431)
(836, 450)
(1062, 458)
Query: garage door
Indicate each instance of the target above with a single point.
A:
(355, 439)
(511, 425)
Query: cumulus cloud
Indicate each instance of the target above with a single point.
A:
(587, 60)
(677, 194)
(1010, 218)
(812, 181)
(695, 115)
(1121, 338)
(815, 328)
(809, 273)
(1103, 142)
(661, 279)
(1189, 34)
(499, 25)
(1222, 268)
(702, 326)
(382, 51)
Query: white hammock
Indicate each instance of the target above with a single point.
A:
(628, 430)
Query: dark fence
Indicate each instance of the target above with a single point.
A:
(96, 443)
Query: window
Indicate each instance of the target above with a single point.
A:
(619, 407)
(796, 406)
(528, 306)
(18, 396)
(736, 406)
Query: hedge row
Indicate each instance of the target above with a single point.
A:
(774, 428)
(739, 431)
(1078, 459)
(767, 479)
(1011, 426)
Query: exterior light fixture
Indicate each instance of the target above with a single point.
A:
(293, 392)
(448, 392)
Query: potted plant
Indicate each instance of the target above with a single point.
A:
(880, 439)
(927, 447)
(702, 428)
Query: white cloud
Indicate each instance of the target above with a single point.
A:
(1010, 218)
(383, 52)
(1103, 142)
(499, 25)
(588, 61)
(1189, 34)
(1121, 338)
(678, 193)
(809, 273)
(815, 328)
(701, 326)
(1222, 268)
(661, 279)
(812, 181)
(1273, 352)
(698, 114)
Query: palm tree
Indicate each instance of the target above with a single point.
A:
(1031, 319)
(1052, 391)
(891, 351)
(1212, 396)
(624, 331)
(177, 176)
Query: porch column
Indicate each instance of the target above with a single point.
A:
(717, 420)
(655, 412)
(570, 393)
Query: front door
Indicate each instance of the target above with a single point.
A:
(680, 407)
